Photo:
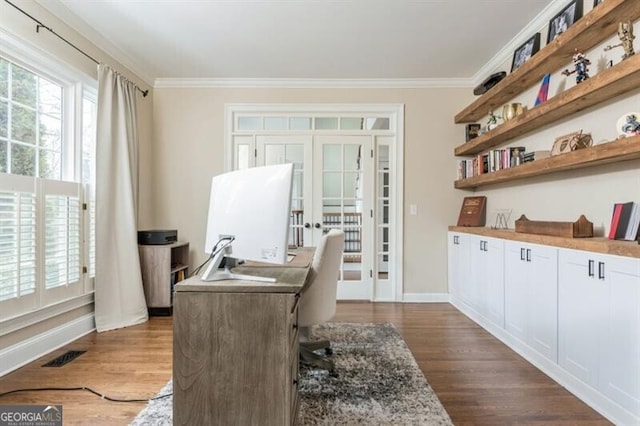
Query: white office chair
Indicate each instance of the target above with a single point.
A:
(318, 298)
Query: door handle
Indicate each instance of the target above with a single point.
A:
(601, 270)
(307, 225)
(522, 254)
(591, 265)
(317, 225)
(528, 255)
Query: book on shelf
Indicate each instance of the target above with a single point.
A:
(473, 211)
(535, 155)
(490, 161)
(625, 221)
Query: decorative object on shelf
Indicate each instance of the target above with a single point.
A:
(596, 2)
(581, 228)
(580, 67)
(492, 121)
(629, 124)
(491, 81)
(472, 131)
(543, 93)
(525, 51)
(511, 110)
(563, 20)
(473, 211)
(502, 219)
(571, 142)
(625, 34)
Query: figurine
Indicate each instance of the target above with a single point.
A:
(492, 121)
(580, 63)
(625, 34)
(632, 126)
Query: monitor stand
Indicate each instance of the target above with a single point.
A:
(212, 273)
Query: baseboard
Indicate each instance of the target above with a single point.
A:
(590, 396)
(31, 349)
(426, 297)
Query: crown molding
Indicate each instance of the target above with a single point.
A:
(312, 83)
(506, 53)
(77, 24)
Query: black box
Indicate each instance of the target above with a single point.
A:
(157, 236)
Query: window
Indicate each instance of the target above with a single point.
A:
(47, 177)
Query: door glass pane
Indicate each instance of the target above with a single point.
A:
(242, 157)
(298, 180)
(249, 123)
(383, 246)
(274, 154)
(275, 123)
(352, 185)
(351, 123)
(326, 123)
(300, 123)
(352, 157)
(296, 233)
(331, 155)
(295, 155)
(331, 185)
(377, 123)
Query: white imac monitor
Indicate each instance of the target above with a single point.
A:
(248, 219)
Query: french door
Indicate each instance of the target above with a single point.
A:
(331, 190)
(347, 175)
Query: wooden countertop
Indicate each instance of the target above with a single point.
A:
(290, 278)
(596, 244)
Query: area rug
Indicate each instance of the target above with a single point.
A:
(378, 382)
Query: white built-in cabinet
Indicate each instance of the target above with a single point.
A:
(531, 295)
(574, 314)
(599, 323)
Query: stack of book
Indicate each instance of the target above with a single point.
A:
(625, 221)
(491, 161)
(535, 155)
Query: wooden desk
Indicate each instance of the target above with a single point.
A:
(235, 348)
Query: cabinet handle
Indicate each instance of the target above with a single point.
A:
(485, 246)
(601, 270)
(528, 255)
(591, 265)
(455, 239)
(522, 254)
(481, 245)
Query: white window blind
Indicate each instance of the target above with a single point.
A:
(41, 253)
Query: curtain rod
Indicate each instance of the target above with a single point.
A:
(41, 25)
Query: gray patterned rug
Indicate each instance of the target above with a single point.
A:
(378, 383)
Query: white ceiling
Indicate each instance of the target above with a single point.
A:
(300, 39)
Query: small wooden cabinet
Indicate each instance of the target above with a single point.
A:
(162, 267)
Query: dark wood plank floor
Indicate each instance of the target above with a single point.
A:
(478, 379)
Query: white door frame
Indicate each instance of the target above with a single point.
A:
(395, 112)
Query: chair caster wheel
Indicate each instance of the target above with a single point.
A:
(328, 351)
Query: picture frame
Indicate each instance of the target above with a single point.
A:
(472, 131)
(525, 51)
(563, 20)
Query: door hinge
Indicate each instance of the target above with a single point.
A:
(371, 153)
(85, 270)
(371, 213)
(255, 152)
(370, 273)
(84, 206)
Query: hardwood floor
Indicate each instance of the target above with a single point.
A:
(477, 378)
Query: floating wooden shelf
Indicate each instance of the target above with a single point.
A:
(610, 152)
(594, 27)
(608, 84)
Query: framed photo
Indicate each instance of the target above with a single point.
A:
(563, 20)
(472, 131)
(524, 52)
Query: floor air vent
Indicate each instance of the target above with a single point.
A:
(64, 358)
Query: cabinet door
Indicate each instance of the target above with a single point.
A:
(581, 314)
(458, 263)
(477, 273)
(516, 298)
(493, 303)
(620, 349)
(542, 290)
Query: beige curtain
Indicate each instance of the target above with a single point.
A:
(119, 296)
